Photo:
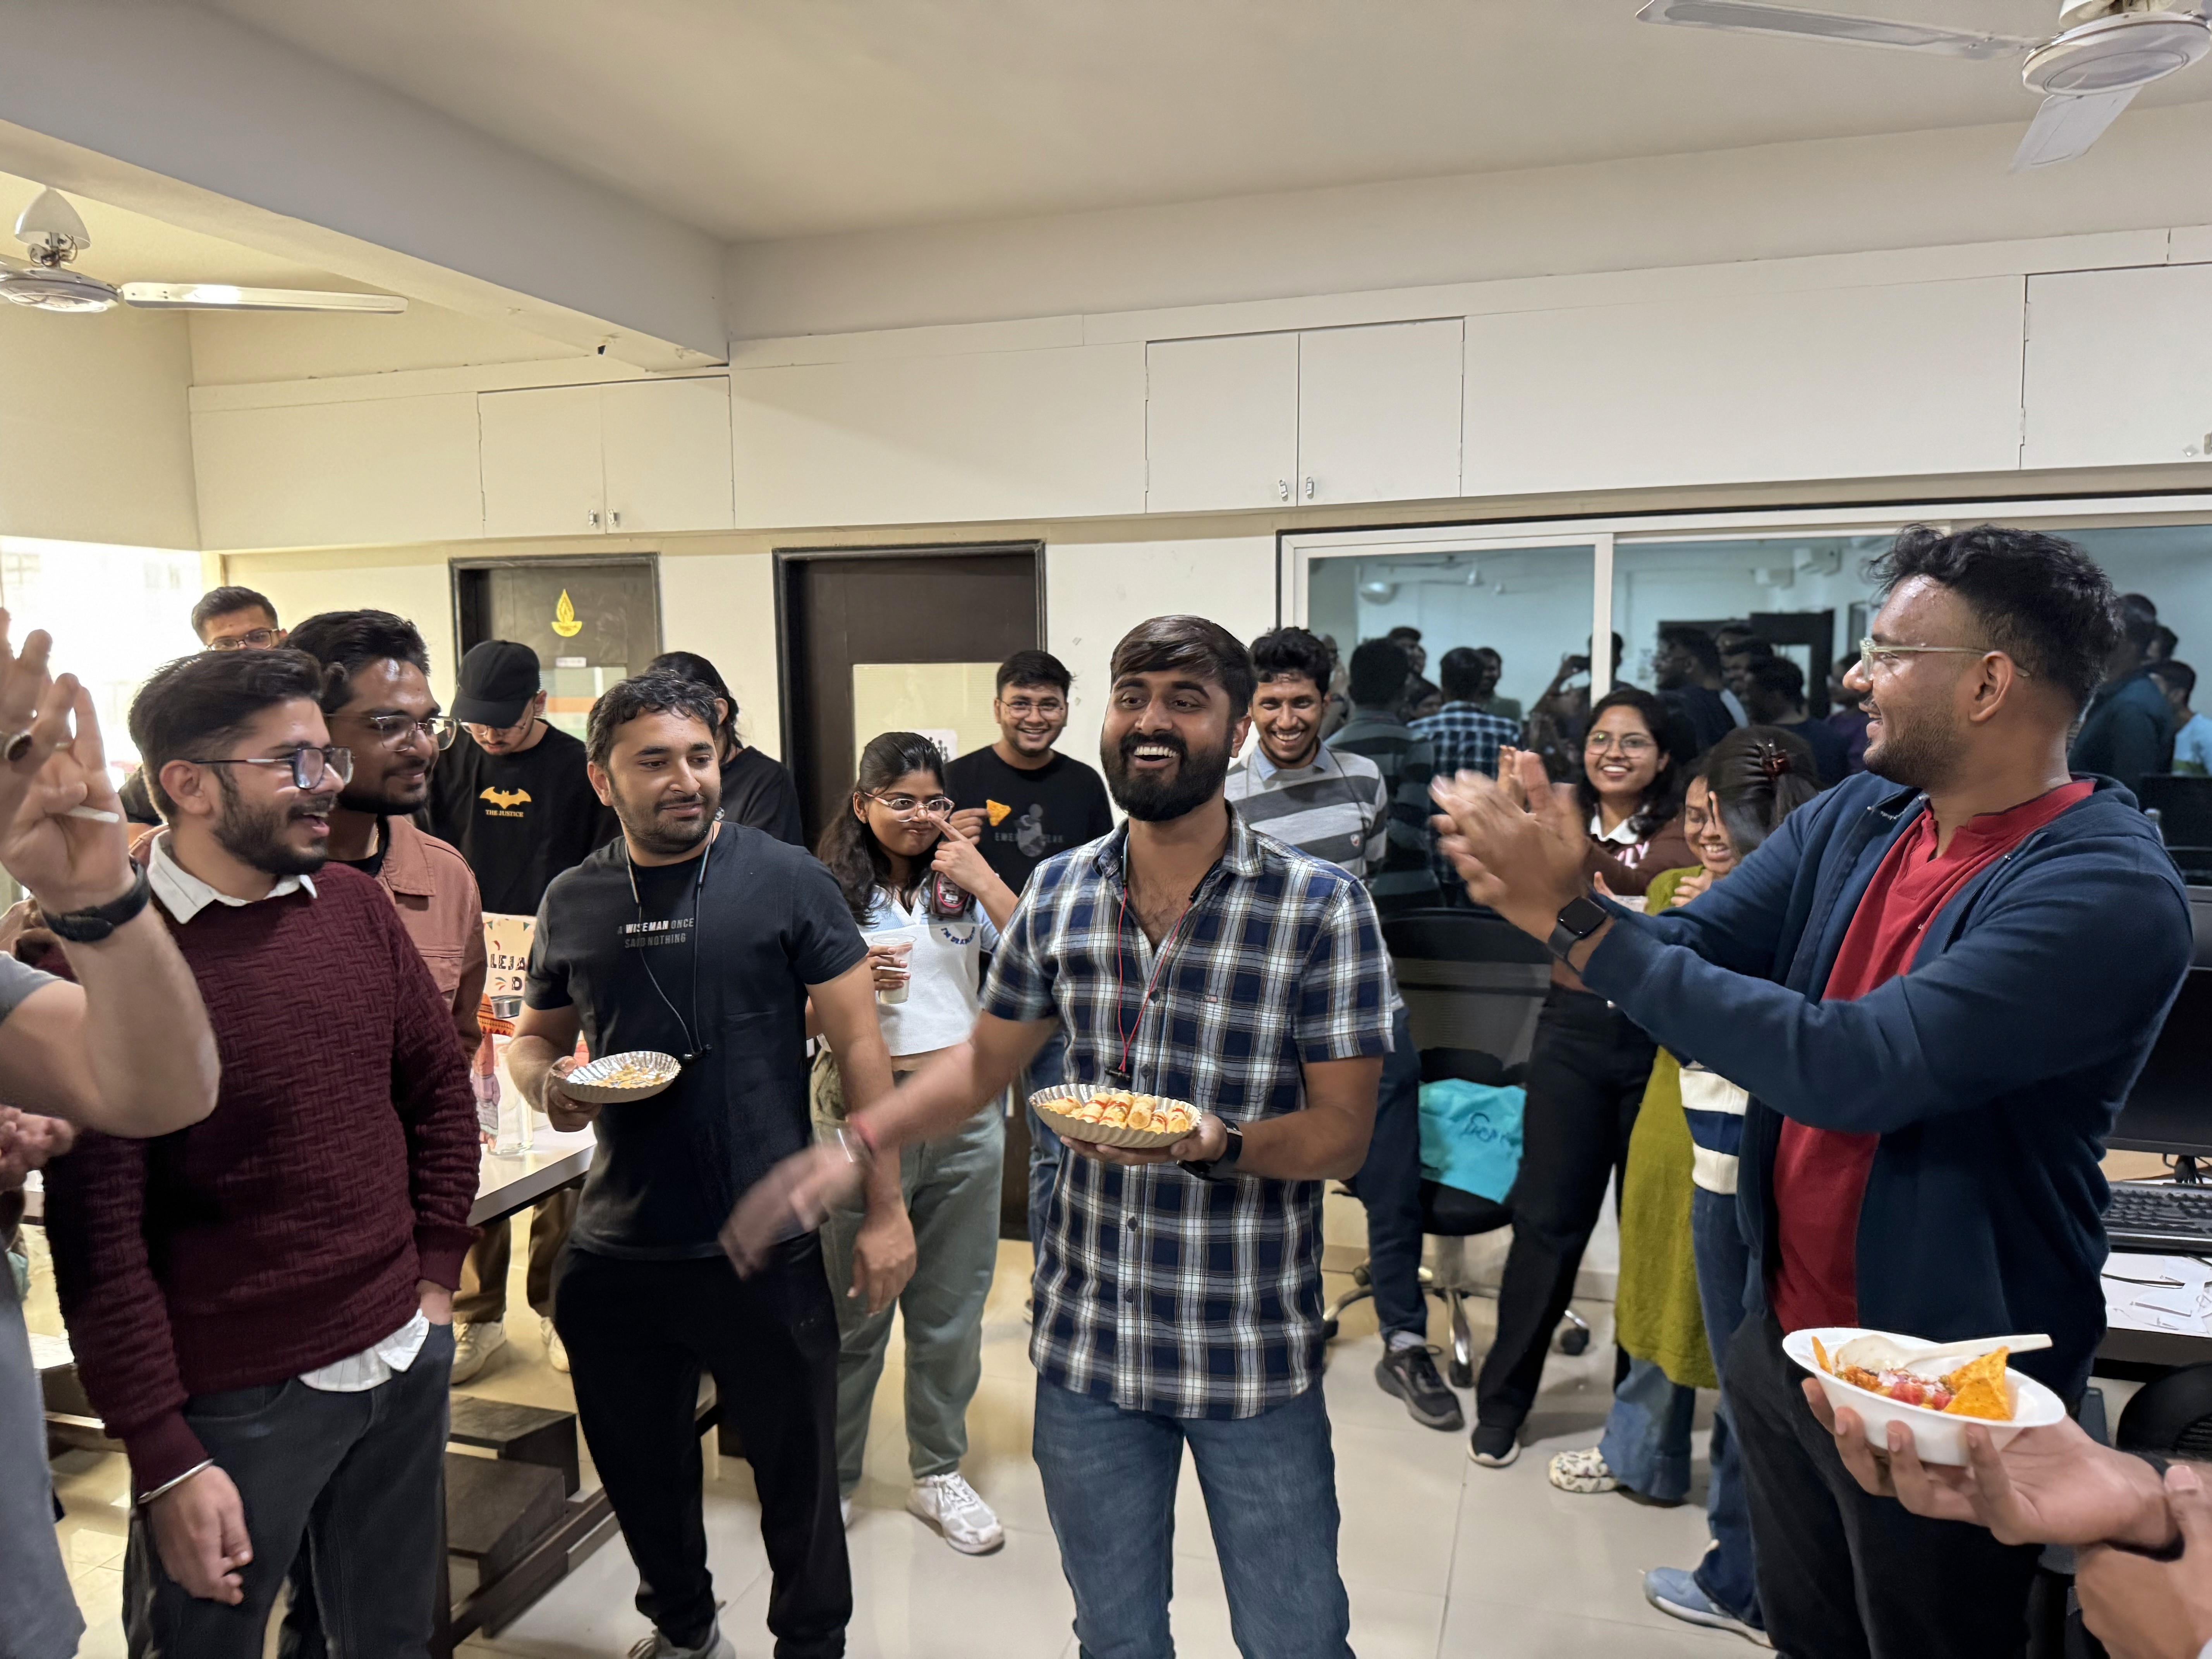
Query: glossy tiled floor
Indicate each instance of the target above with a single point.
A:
(1441, 1558)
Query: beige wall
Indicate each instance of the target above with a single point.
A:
(238, 347)
(95, 439)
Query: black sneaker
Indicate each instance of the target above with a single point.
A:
(1494, 1445)
(1411, 1375)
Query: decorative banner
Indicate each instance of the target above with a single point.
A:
(506, 961)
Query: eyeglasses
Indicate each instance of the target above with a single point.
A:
(254, 639)
(309, 766)
(1018, 706)
(1633, 742)
(906, 806)
(1889, 658)
(394, 730)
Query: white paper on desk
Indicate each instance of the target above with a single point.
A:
(2180, 1306)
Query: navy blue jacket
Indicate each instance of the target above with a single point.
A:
(2128, 731)
(1992, 1070)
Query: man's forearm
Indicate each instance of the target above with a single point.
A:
(150, 1051)
(936, 1100)
(528, 1060)
(1317, 1144)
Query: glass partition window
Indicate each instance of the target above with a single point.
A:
(1807, 597)
(1530, 605)
(2170, 565)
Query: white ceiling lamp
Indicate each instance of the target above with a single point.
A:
(55, 233)
(2104, 53)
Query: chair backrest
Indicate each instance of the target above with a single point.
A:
(1470, 979)
(2170, 1417)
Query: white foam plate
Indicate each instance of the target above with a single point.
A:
(1938, 1436)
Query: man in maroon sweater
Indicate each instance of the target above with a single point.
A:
(261, 1304)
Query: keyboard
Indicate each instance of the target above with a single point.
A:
(2160, 1218)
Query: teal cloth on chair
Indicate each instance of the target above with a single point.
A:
(1471, 1136)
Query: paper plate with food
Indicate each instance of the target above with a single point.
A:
(1115, 1117)
(1934, 1389)
(614, 1079)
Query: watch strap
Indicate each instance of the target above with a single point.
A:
(1577, 920)
(95, 922)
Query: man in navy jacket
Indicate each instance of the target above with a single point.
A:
(1938, 981)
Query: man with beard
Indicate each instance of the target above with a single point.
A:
(706, 940)
(1938, 981)
(378, 703)
(1178, 1290)
(261, 1303)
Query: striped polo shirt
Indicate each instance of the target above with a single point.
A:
(1337, 809)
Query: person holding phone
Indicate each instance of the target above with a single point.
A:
(902, 865)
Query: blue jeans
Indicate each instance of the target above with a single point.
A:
(1050, 1067)
(1647, 1433)
(1389, 1185)
(1270, 1486)
(1724, 1274)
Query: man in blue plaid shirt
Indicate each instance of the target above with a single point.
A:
(1465, 738)
(1178, 1290)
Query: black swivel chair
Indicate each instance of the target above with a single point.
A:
(1474, 984)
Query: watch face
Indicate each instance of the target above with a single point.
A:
(1583, 917)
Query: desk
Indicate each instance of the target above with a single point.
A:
(2140, 1342)
(504, 1185)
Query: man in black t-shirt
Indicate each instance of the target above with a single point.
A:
(705, 941)
(512, 794)
(1021, 802)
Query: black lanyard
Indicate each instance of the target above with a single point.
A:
(697, 1049)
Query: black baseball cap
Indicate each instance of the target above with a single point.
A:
(498, 679)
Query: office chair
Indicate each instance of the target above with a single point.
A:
(1472, 984)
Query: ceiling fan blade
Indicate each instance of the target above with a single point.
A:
(1753, 17)
(221, 296)
(2064, 127)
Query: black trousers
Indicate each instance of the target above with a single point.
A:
(351, 1483)
(1843, 1574)
(1585, 1080)
(639, 1334)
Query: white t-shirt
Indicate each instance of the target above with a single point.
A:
(941, 1003)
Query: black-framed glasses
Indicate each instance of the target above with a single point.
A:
(907, 805)
(254, 639)
(309, 766)
(392, 730)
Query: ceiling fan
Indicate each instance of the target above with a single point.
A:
(55, 233)
(2104, 53)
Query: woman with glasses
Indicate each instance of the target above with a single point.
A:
(930, 906)
(1587, 1071)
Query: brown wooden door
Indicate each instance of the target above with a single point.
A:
(849, 610)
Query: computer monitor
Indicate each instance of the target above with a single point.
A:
(2170, 1109)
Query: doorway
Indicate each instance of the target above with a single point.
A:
(891, 639)
(592, 622)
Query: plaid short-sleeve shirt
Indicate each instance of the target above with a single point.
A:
(1155, 1289)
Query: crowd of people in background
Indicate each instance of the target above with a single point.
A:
(272, 1282)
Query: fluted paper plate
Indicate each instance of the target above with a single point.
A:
(1058, 1105)
(582, 1082)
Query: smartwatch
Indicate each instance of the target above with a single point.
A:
(1577, 922)
(91, 925)
(1224, 1167)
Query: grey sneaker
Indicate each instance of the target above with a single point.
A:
(657, 1645)
(474, 1344)
(1674, 1591)
(1411, 1375)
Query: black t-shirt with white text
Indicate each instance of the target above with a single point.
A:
(1030, 816)
(717, 955)
(520, 820)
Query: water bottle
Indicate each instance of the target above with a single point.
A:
(513, 1114)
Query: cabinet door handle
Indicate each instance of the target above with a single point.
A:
(1309, 488)
(614, 518)
(1283, 488)
(592, 517)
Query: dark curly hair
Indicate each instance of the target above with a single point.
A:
(201, 704)
(644, 694)
(347, 641)
(1290, 651)
(2044, 602)
(848, 844)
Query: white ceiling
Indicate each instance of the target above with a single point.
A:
(784, 117)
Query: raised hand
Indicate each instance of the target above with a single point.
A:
(1525, 864)
(68, 862)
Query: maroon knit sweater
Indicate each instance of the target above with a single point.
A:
(289, 1228)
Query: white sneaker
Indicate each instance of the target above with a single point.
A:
(556, 1351)
(474, 1344)
(658, 1646)
(1584, 1471)
(950, 1504)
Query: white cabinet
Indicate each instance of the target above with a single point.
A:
(1221, 422)
(1335, 415)
(1834, 383)
(1379, 412)
(632, 457)
(2120, 366)
(338, 474)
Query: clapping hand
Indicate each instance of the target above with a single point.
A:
(29, 1142)
(1519, 846)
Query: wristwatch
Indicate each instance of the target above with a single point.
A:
(91, 925)
(1221, 1168)
(1580, 919)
